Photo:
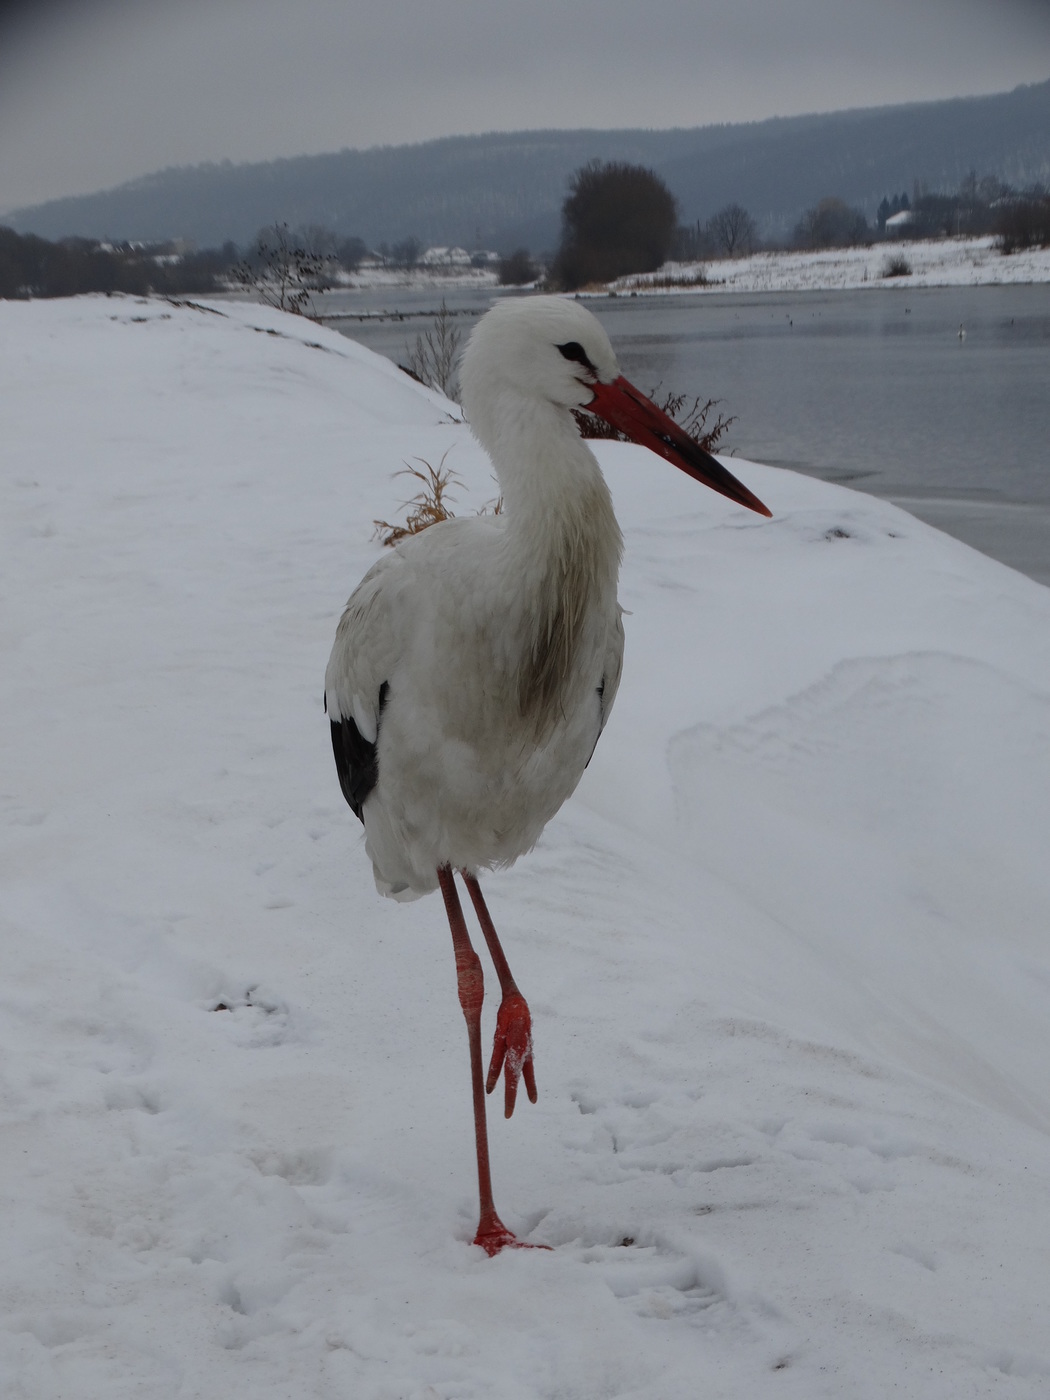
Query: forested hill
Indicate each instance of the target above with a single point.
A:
(504, 190)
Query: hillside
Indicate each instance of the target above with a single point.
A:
(786, 948)
(504, 190)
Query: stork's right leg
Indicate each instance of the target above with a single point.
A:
(492, 1234)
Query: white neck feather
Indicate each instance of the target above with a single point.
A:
(563, 545)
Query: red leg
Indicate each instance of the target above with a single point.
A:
(512, 1048)
(492, 1234)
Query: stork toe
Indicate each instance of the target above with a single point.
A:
(512, 1051)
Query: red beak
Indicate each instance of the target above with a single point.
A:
(621, 404)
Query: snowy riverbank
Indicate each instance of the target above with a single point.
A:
(955, 262)
(787, 948)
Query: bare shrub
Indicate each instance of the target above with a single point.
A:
(896, 266)
(435, 356)
(690, 417)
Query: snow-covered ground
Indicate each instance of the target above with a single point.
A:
(954, 262)
(788, 948)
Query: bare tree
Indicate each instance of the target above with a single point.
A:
(281, 271)
(406, 253)
(350, 252)
(732, 230)
(316, 239)
(832, 224)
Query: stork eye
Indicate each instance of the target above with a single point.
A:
(573, 350)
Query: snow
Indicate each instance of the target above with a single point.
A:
(786, 949)
(441, 269)
(950, 262)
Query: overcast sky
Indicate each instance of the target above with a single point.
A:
(94, 92)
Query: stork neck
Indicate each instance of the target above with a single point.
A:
(554, 494)
(563, 552)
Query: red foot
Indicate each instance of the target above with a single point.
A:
(512, 1050)
(493, 1236)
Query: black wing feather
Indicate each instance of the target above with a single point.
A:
(601, 713)
(356, 760)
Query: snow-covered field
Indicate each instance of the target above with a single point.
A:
(787, 950)
(452, 279)
(954, 262)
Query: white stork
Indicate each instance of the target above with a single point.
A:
(476, 664)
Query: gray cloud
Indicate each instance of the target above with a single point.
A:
(96, 92)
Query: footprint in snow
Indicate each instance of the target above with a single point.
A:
(256, 1017)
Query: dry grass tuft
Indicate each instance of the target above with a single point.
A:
(427, 507)
(670, 281)
(430, 504)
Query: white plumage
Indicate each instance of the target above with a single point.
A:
(476, 664)
(499, 636)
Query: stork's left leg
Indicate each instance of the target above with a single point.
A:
(512, 1048)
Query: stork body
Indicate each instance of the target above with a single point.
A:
(476, 664)
(495, 692)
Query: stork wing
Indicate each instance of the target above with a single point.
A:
(610, 675)
(613, 665)
(356, 681)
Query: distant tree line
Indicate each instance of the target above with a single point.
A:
(34, 267)
(1024, 222)
(284, 266)
(31, 266)
(980, 207)
(985, 205)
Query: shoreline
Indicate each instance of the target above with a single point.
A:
(962, 262)
(952, 262)
(1014, 533)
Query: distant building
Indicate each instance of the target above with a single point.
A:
(897, 224)
(445, 257)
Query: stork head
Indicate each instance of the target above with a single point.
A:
(551, 350)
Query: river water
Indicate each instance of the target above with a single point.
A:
(873, 388)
